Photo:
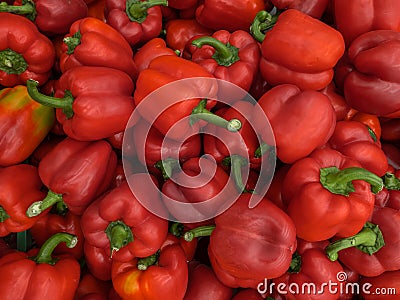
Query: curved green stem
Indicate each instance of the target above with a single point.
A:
(167, 167)
(262, 22)
(44, 255)
(200, 112)
(225, 54)
(198, 232)
(137, 10)
(12, 62)
(144, 263)
(28, 9)
(64, 103)
(177, 229)
(36, 208)
(391, 182)
(237, 162)
(119, 234)
(369, 240)
(340, 181)
(72, 41)
(3, 215)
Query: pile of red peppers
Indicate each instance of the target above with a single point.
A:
(74, 79)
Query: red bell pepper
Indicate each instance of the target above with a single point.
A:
(83, 103)
(50, 16)
(329, 194)
(25, 124)
(310, 125)
(249, 294)
(390, 194)
(182, 4)
(313, 8)
(75, 173)
(374, 56)
(24, 52)
(124, 233)
(337, 100)
(233, 57)
(354, 139)
(308, 59)
(371, 121)
(38, 275)
(96, 9)
(45, 147)
(247, 245)
(385, 286)
(163, 275)
(390, 129)
(92, 288)
(204, 285)
(21, 186)
(138, 21)
(177, 231)
(228, 15)
(356, 17)
(98, 261)
(91, 42)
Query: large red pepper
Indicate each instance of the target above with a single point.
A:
(233, 57)
(247, 245)
(308, 59)
(38, 275)
(91, 42)
(25, 124)
(353, 18)
(138, 21)
(163, 275)
(92, 103)
(75, 173)
(124, 233)
(24, 52)
(20, 187)
(50, 16)
(385, 286)
(92, 288)
(329, 194)
(228, 15)
(373, 84)
(310, 125)
(313, 8)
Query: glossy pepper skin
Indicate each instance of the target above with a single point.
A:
(20, 187)
(313, 8)
(354, 18)
(329, 194)
(24, 51)
(373, 86)
(51, 17)
(123, 233)
(92, 103)
(91, 42)
(228, 15)
(163, 275)
(138, 21)
(75, 173)
(311, 123)
(388, 282)
(308, 60)
(25, 124)
(233, 57)
(39, 275)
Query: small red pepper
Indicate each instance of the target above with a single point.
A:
(329, 194)
(83, 103)
(138, 21)
(38, 275)
(91, 42)
(371, 121)
(24, 52)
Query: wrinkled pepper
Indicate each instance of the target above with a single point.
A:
(91, 42)
(24, 52)
(39, 275)
(329, 194)
(138, 21)
(75, 173)
(25, 124)
(51, 17)
(308, 59)
(92, 103)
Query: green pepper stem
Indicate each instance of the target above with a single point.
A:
(36, 208)
(27, 8)
(44, 255)
(262, 22)
(64, 103)
(391, 182)
(369, 240)
(119, 234)
(12, 62)
(198, 232)
(137, 10)
(72, 41)
(237, 162)
(340, 181)
(200, 112)
(295, 264)
(3, 214)
(144, 263)
(177, 229)
(167, 167)
(225, 54)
